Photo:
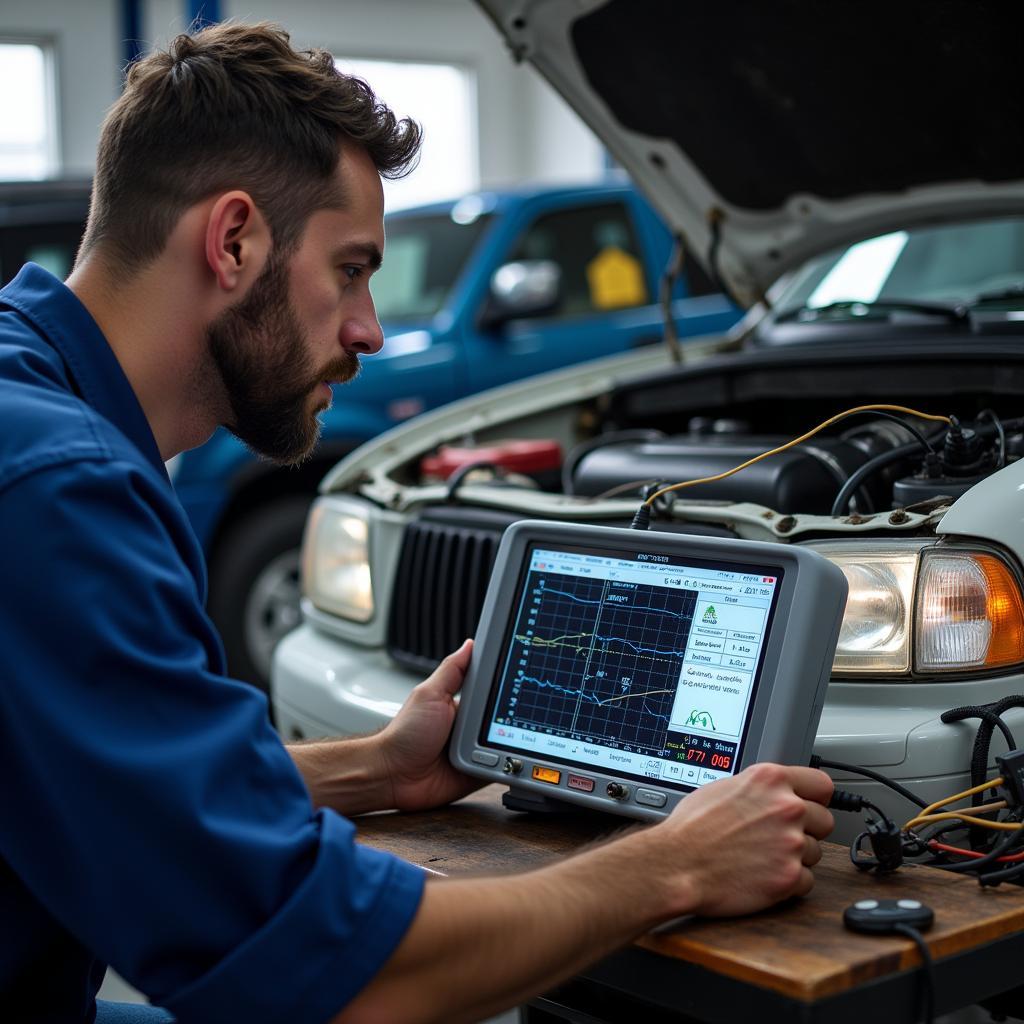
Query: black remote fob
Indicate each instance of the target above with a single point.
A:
(880, 916)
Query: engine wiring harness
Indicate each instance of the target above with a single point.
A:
(965, 448)
(985, 839)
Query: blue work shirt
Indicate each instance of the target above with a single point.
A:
(150, 818)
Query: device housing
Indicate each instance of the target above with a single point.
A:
(782, 719)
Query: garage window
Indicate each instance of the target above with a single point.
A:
(28, 137)
(442, 98)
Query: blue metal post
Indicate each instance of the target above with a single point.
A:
(131, 25)
(202, 13)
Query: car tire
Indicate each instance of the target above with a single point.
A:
(254, 585)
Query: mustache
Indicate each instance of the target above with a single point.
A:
(341, 370)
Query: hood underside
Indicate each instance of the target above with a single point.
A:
(769, 133)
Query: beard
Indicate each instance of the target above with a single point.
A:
(263, 356)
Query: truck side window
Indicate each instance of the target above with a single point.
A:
(597, 250)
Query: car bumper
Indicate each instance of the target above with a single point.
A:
(325, 686)
(322, 686)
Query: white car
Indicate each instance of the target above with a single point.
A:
(873, 276)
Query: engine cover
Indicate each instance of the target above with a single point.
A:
(805, 478)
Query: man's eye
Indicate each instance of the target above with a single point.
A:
(352, 271)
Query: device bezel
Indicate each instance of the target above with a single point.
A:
(794, 665)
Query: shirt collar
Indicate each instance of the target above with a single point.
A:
(62, 319)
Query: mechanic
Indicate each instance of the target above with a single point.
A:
(151, 818)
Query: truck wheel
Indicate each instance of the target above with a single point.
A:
(254, 586)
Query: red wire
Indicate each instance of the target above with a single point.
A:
(1010, 858)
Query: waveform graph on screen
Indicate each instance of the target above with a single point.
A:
(597, 659)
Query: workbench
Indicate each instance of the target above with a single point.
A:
(793, 963)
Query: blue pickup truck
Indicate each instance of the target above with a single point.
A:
(474, 293)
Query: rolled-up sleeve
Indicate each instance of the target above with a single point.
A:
(146, 802)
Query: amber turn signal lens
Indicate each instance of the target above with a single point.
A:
(1005, 611)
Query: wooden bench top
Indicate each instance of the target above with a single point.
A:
(800, 949)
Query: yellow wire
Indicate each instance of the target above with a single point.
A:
(983, 809)
(927, 814)
(991, 784)
(997, 805)
(968, 819)
(796, 441)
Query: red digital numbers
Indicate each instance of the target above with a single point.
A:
(721, 761)
(696, 755)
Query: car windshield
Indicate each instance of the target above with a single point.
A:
(928, 271)
(423, 258)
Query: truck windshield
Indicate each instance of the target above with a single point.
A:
(936, 270)
(423, 257)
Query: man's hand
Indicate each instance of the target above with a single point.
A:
(747, 842)
(733, 847)
(414, 745)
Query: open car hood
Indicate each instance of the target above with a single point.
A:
(769, 133)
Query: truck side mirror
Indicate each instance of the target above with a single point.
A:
(522, 289)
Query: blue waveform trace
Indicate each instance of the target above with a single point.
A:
(637, 647)
(624, 607)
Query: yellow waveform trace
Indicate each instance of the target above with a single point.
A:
(551, 641)
(626, 696)
(559, 641)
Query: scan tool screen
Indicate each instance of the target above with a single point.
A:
(640, 664)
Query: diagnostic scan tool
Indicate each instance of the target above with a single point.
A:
(622, 669)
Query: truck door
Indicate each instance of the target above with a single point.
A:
(606, 302)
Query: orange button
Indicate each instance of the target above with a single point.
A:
(542, 774)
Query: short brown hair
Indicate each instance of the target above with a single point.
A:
(233, 106)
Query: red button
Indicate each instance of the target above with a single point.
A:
(581, 782)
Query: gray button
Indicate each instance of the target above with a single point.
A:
(908, 905)
(484, 757)
(650, 797)
(866, 904)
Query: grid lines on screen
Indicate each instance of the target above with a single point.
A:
(597, 660)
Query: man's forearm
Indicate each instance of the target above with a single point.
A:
(481, 945)
(478, 946)
(347, 775)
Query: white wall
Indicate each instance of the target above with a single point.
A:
(86, 37)
(525, 131)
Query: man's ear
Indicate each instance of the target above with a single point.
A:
(238, 241)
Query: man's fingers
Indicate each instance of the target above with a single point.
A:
(804, 884)
(818, 820)
(812, 852)
(451, 672)
(810, 783)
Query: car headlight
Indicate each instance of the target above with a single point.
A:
(336, 561)
(920, 609)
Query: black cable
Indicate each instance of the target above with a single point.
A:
(998, 877)
(990, 715)
(455, 480)
(927, 971)
(990, 720)
(880, 414)
(1000, 430)
(1002, 847)
(880, 461)
(840, 766)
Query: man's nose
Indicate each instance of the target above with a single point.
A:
(363, 334)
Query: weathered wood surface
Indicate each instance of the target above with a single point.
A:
(800, 949)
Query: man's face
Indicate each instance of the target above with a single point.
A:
(304, 323)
